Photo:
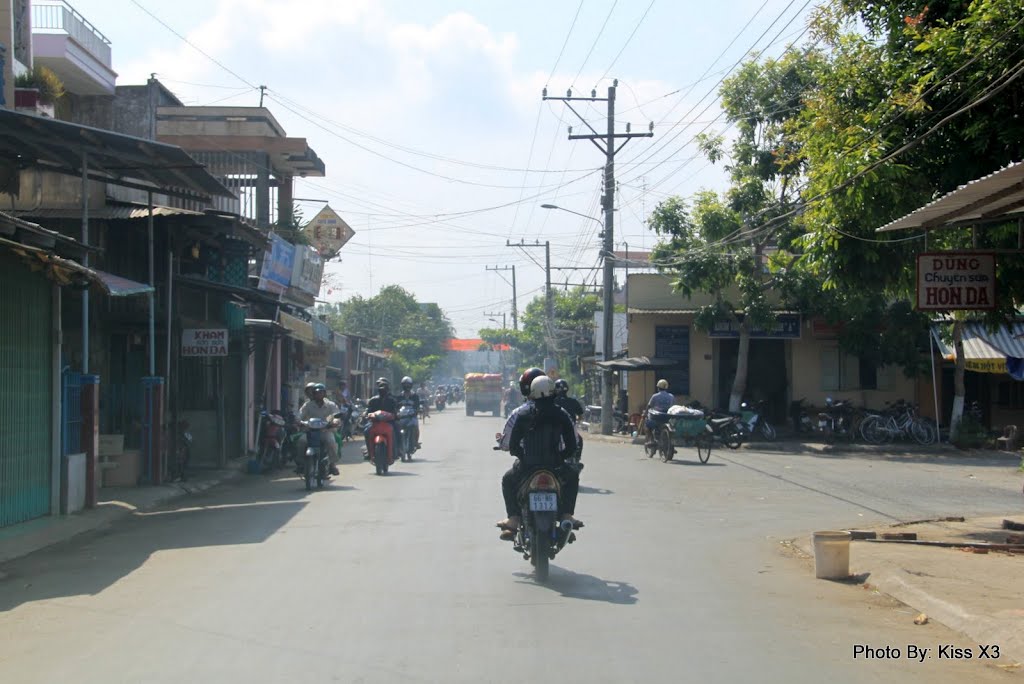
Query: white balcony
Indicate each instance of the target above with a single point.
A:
(63, 40)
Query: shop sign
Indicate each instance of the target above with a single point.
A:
(786, 326)
(328, 232)
(956, 281)
(308, 270)
(204, 342)
(278, 264)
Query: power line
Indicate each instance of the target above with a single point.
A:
(566, 42)
(626, 44)
(594, 44)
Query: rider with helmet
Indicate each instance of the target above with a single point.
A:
(409, 396)
(383, 401)
(571, 406)
(539, 414)
(657, 408)
(319, 406)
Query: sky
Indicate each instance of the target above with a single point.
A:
(428, 115)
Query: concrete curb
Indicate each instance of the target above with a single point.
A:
(27, 538)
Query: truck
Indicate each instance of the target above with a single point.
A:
(483, 393)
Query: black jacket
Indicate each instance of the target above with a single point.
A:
(572, 406)
(543, 435)
(379, 403)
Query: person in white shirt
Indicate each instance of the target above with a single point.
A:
(319, 406)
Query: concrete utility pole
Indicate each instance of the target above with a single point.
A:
(515, 307)
(608, 205)
(547, 271)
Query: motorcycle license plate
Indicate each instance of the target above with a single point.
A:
(543, 501)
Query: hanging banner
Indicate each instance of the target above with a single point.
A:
(949, 281)
(278, 264)
(308, 270)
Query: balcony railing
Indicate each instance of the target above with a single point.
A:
(57, 16)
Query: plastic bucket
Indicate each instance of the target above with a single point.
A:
(831, 554)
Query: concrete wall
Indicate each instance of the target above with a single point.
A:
(654, 291)
(641, 343)
(216, 121)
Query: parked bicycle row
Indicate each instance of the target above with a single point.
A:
(842, 420)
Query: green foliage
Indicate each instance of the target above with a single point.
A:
(395, 321)
(51, 88)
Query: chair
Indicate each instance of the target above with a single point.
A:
(1008, 442)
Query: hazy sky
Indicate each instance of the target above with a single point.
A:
(428, 116)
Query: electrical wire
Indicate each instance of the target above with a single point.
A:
(594, 44)
(565, 42)
(626, 44)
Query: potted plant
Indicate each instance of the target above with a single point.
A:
(38, 90)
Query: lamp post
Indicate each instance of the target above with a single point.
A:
(607, 318)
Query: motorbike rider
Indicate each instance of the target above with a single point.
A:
(408, 396)
(571, 406)
(661, 401)
(319, 406)
(382, 401)
(538, 411)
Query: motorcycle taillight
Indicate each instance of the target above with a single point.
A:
(543, 481)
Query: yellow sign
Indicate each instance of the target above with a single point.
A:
(987, 365)
(328, 232)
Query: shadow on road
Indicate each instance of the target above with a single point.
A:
(695, 463)
(578, 585)
(594, 490)
(92, 562)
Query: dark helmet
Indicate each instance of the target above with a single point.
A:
(319, 388)
(383, 385)
(527, 378)
(561, 387)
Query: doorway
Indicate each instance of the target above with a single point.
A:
(766, 376)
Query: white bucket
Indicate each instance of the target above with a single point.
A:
(831, 554)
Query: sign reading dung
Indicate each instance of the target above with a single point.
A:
(204, 342)
(956, 280)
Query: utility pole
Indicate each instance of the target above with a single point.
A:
(515, 307)
(547, 271)
(608, 205)
(503, 327)
(263, 89)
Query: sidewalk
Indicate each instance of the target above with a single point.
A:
(114, 503)
(977, 593)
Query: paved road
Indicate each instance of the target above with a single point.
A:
(678, 576)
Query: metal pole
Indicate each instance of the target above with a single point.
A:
(515, 305)
(170, 300)
(935, 387)
(551, 302)
(150, 296)
(609, 228)
(85, 261)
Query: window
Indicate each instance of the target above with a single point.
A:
(839, 371)
(1010, 394)
(673, 342)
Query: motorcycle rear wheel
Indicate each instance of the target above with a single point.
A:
(732, 438)
(380, 458)
(539, 555)
(310, 472)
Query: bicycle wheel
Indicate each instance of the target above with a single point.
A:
(767, 431)
(922, 431)
(704, 442)
(872, 430)
(665, 444)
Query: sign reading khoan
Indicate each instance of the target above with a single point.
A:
(956, 280)
(204, 342)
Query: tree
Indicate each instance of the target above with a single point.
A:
(914, 99)
(413, 332)
(733, 246)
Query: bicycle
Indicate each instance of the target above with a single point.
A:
(898, 421)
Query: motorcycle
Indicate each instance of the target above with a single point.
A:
(381, 436)
(726, 428)
(802, 422)
(753, 422)
(439, 401)
(272, 434)
(317, 463)
(836, 420)
(404, 427)
(541, 535)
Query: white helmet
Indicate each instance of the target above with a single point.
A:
(663, 384)
(542, 387)
(406, 382)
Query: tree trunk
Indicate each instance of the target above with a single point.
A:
(739, 384)
(958, 382)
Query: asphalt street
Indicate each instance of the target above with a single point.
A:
(681, 574)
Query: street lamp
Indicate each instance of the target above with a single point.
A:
(607, 317)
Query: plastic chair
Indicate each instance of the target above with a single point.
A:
(1008, 442)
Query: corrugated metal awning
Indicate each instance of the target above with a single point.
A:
(993, 197)
(66, 272)
(116, 286)
(984, 351)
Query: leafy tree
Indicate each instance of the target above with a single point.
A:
(733, 246)
(914, 99)
(413, 332)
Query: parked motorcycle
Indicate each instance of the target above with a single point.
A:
(381, 436)
(753, 422)
(272, 434)
(726, 428)
(799, 416)
(836, 421)
(317, 463)
(405, 428)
